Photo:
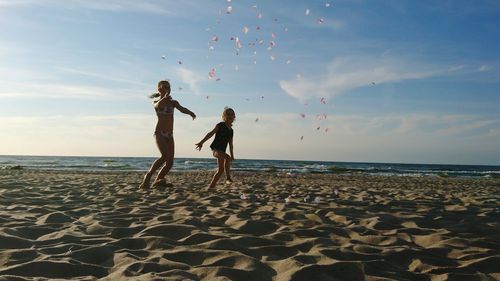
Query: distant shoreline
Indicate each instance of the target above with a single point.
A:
(292, 168)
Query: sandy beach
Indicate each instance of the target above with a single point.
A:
(89, 226)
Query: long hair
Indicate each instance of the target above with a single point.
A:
(163, 84)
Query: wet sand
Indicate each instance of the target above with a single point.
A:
(89, 226)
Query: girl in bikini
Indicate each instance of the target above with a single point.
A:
(223, 136)
(164, 108)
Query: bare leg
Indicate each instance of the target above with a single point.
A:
(227, 168)
(220, 169)
(169, 159)
(162, 147)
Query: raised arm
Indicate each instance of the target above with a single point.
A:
(208, 136)
(183, 109)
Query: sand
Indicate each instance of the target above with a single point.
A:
(89, 226)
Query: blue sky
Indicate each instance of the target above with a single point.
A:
(382, 81)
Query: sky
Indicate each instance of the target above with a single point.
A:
(341, 80)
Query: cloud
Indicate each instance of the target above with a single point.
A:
(104, 76)
(9, 3)
(148, 6)
(417, 138)
(160, 7)
(63, 91)
(484, 68)
(348, 73)
(191, 78)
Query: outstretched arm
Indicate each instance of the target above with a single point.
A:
(184, 110)
(208, 136)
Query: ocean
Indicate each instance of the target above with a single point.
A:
(279, 166)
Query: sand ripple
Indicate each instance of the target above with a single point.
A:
(88, 226)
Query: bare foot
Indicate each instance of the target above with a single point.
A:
(162, 183)
(144, 184)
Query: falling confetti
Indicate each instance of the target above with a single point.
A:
(218, 79)
(211, 73)
(179, 62)
(237, 67)
(307, 12)
(320, 117)
(229, 10)
(326, 130)
(323, 100)
(259, 15)
(336, 192)
(180, 88)
(321, 21)
(245, 30)
(272, 44)
(373, 83)
(302, 138)
(215, 38)
(273, 35)
(238, 43)
(256, 120)
(208, 97)
(163, 57)
(317, 129)
(327, 4)
(273, 57)
(302, 115)
(288, 61)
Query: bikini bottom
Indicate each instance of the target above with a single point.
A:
(164, 134)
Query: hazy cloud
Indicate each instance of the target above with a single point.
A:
(347, 73)
(191, 78)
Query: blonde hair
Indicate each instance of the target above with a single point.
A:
(227, 111)
(163, 84)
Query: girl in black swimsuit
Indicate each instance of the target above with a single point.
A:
(223, 136)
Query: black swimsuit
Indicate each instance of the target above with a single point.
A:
(222, 137)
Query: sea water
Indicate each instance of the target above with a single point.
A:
(291, 167)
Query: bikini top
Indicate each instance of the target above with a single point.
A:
(165, 110)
